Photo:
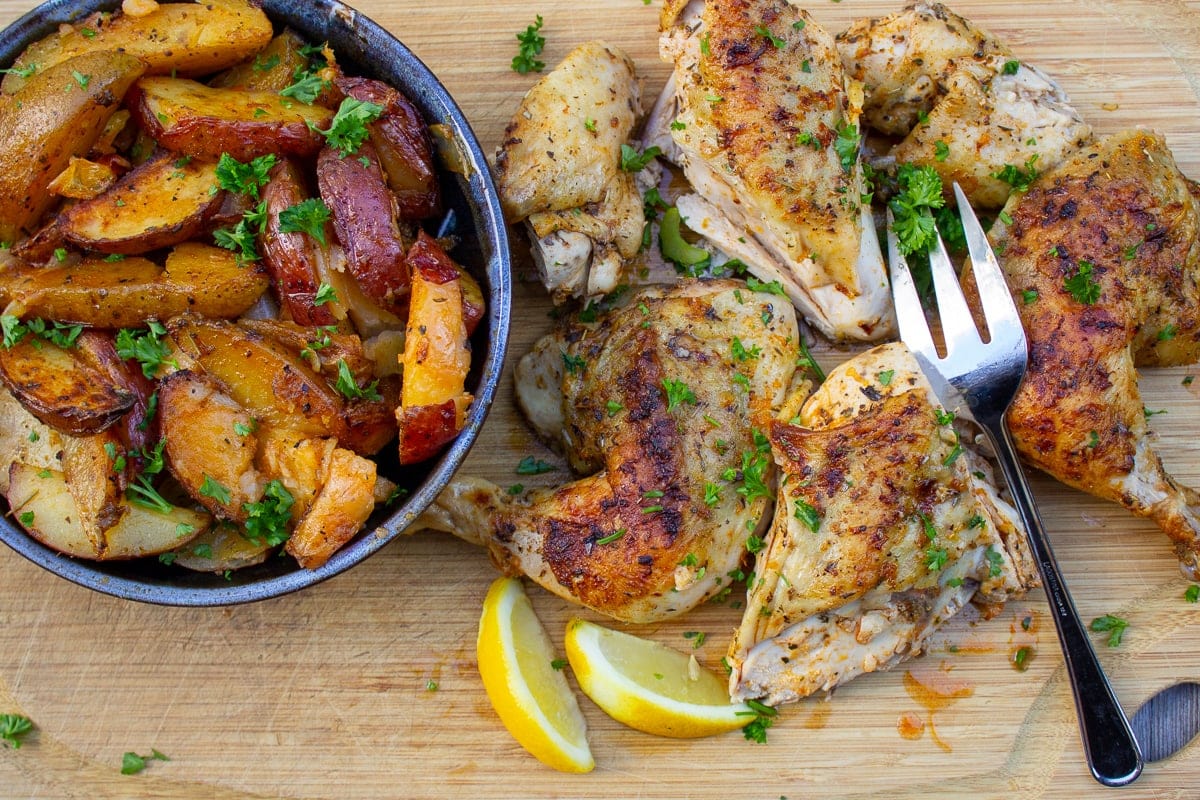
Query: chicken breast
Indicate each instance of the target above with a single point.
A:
(660, 404)
(559, 168)
(759, 116)
(883, 530)
(1103, 257)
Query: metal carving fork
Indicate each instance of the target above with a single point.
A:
(985, 376)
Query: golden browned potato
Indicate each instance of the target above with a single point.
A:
(211, 443)
(271, 70)
(293, 257)
(278, 387)
(345, 500)
(437, 355)
(322, 349)
(180, 38)
(165, 201)
(55, 116)
(41, 501)
(221, 548)
(25, 438)
(191, 118)
(124, 294)
(89, 465)
(77, 390)
(300, 463)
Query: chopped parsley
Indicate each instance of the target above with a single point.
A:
(808, 515)
(1113, 626)
(307, 87)
(995, 563)
(613, 408)
(574, 365)
(132, 763)
(634, 160)
(348, 130)
(806, 361)
(677, 392)
(1081, 286)
(1019, 179)
(234, 176)
(325, 294)
(697, 638)
(20, 72)
(57, 333)
(533, 466)
(712, 494)
(1029, 296)
(529, 46)
(349, 388)
(774, 287)
(941, 150)
(612, 537)
(145, 346)
(558, 664)
(13, 728)
(885, 377)
(1192, 594)
(755, 544)
(1010, 67)
(913, 206)
(763, 31)
(740, 352)
(267, 520)
(1167, 333)
(846, 144)
(308, 216)
(215, 490)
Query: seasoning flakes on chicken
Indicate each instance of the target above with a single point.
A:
(965, 105)
(660, 404)
(759, 115)
(883, 530)
(559, 169)
(1103, 258)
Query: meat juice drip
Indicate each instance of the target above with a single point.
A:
(819, 716)
(934, 691)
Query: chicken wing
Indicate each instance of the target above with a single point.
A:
(661, 401)
(759, 116)
(883, 530)
(558, 168)
(1103, 256)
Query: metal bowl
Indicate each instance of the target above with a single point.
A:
(362, 47)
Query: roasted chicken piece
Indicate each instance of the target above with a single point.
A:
(659, 404)
(883, 530)
(759, 115)
(1103, 256)
(559, 169)
(964, 104)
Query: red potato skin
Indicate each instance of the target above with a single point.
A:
(405, 151)
(290, 257)
(364, 216)
(208, 137)
(424, 430)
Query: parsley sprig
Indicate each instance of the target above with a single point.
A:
(308, 216)
(13, 727)
(145, 346)
(1113, 626)
(267, 520)
(348, 130)
(57, 333)
(1081, 286)
(349, 387)
(529, 47)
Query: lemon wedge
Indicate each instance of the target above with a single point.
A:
(532, 698)
(649, 686)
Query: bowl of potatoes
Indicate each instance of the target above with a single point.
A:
(255, 291)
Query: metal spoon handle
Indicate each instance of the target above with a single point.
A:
(1112, 752)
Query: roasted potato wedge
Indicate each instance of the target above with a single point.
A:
(321, 349)
(405, 151)
(126, 293)
(293, 257)
(278, 387)
(199, 121)
(300, 463)
(41, 501)
(220, 548)
(89, 465)
(43, 246)
(180, 38)
(474, 306)
(367, 316)
(165, 201)
(437, 355)
(43, 126)
(25, 438)
(345, 500)
(210, 443)
(75, 390)
(271, 70)
(364, 214)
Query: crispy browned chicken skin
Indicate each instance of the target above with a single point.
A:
(1121, 213)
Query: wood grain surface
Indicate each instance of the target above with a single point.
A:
(324, 694)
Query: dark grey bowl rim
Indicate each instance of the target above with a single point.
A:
(355, 38)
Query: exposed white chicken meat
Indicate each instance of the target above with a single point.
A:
(764, 125)
(883, 530)
(559, 169)
(648, 404)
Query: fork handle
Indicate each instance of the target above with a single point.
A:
(1112, 751)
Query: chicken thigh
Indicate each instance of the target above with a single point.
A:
(1103, 257)
(885, 526)
(660, 404)
(759, 116)
(558, 169)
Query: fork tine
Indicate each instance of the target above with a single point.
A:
(958, 328)
(998, 307)
(910, 316)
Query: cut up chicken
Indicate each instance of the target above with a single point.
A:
(559, 169)
(883, 530)
(965, 105)
(759, 116)
(658, 404)
(1103, 257)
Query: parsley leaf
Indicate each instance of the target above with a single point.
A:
(307, 87)
(349, 387)
(763, 31)
(808, 515)
(348, 130)
(20, 72)
(13, 727)
(774, 287)
(146, 347)
(132, 763)
(912, 208)
(267, 520)
(529, 46)
(1019, 179)
(846, 144)
(1113, 626)
(533, 466)
(234, 176)
(308, 216)
(1081, 286)
(634, 161)
(215, 490)
(677, 392)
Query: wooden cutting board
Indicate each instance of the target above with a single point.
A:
(326, 694)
